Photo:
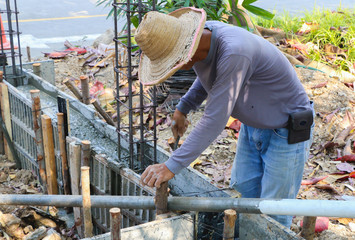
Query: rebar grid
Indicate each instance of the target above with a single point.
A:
(15, 73)
(136, 153)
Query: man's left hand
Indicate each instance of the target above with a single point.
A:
(155, 175)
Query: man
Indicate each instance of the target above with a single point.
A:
(241, 75)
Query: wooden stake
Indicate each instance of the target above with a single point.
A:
(308, 229)
(107, 118)
(74, 160)
(85, 89)
(161, 199)
(85, 188)
(63, 153)
(37, 69)
(36, 116)
(85, 153)
(5, 110)
(73, 89)
(2, 147)
(115, 223)
(28, 53)
(230, 216)
(48, 146)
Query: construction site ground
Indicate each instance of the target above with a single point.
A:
(334, 103)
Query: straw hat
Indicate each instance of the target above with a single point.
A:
(168, 42)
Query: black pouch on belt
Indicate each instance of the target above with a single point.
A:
(299, 126)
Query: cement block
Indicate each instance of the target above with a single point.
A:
(175, 228)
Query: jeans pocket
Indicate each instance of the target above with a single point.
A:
(281, 132)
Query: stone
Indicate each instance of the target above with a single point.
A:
(52, 235)
(105, 38)
(39, 233)
(352, 226)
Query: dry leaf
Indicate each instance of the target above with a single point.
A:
(196, 162)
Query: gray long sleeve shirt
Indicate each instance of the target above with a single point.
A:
(243, 76)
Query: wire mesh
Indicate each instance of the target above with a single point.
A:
(137, 158)
(8, 48)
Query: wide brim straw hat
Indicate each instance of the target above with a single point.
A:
(168, 42)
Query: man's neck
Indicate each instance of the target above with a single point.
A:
(204, 46)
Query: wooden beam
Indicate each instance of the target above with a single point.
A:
(48, 147)
(115, 219)
(107, 118)
(308, 229)
(73, 89)
(85, 188)
(85, 153)
(161, 199)
(85, 89)
(230, 216)
(63, 153)
(6, 116)
(36, 117)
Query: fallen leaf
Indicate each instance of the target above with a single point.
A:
(96, 88)
(345, 221)
(210, 171)
(327, 187)
(346, 167)
(196, 162)
(76, 49)
(313, 180)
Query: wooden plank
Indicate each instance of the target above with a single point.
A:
(230, 216)
(63, 153)
(85, 188)
(5, 110)
(74, 168)
(85, 153)
(48, 147)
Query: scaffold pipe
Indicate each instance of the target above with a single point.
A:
(294, 207)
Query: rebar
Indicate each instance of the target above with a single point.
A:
(294, 207)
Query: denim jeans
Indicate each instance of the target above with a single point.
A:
(266, 166)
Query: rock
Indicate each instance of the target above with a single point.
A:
(42, 221)
(352, 226)
(39, 233)
(52, 235)
(105, 38)
(11, 225)
(28, 229)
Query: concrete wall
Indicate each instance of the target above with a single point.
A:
(175, 228)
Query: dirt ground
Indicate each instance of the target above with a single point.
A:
(334, 104)
(27, 222)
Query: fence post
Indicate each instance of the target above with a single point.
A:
(230, 216)
(161, 199)
(5, 110)
(37, 69)
(85, 89)
(85, 153)
(74, 160)
(309, 224)
(85, 188)
(115, 223)
(2, 147)
(48, 145)
(73, 89)
(63, 153)
(36, 116)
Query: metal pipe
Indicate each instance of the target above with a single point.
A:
(294, 207)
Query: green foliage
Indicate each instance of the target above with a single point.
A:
(218, 10)
(334, 27)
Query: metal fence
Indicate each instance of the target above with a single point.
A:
(107, 177)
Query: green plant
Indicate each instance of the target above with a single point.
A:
(220, 10)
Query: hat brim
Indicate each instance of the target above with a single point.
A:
(154, 72)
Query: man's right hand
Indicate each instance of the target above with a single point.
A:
(180, 124)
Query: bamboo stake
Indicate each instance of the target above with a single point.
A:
(73, 89)
(37, 69)
(63, 153)
(161, 199)
(2, 146)
(48, 146)
(230, 216)
(85, 153)
(28, 53)
(85, 89)
(5, 110)
(107, 118)
(36, 116)
(74, 160)
(85, 188)
(115, 223)
(308, 229)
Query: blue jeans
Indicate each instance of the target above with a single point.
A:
(266, 166)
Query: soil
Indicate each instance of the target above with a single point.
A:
(30, 222)
(334, 104)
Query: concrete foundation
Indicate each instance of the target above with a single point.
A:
(188, 183)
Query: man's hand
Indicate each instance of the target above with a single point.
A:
(180, 124)
(155, 175)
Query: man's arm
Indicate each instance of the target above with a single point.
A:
(193, 98)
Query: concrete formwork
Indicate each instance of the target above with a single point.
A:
(107, 173)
